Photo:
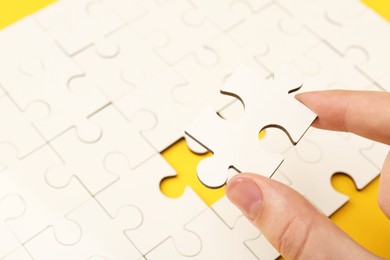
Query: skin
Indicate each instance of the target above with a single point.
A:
(292, 225)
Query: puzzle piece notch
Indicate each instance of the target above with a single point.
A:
(40, 210)
(94, 175)
(164, 217)
(157, 94)
(306, 178)
(218, 241)
(179, 39)
(76, 25)
(133, 55)
(258, 95)
(19, 254)
(37, 72)
(11, 206)
(18, 131)
(350, 37)
(101, 236)
(274, 26)
(209, 66)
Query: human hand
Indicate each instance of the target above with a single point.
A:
(291, 223)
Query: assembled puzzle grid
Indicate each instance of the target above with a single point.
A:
(91, 93)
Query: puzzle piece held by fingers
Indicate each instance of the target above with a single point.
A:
(233, 143)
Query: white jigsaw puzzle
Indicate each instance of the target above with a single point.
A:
(92, 91)
(235, 144)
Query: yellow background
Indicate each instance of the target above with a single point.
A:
(361, 217)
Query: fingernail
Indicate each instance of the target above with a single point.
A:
(246, 195)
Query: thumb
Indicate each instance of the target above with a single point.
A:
(291, 223)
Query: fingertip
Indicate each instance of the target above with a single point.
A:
(245, 194)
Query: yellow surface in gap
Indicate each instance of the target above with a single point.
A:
(382, 7)
(184, 161)
(361, 218)
(14, 10)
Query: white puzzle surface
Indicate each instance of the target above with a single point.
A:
(234, 143)
(92, 91)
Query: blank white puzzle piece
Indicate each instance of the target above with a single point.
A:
(18, 130)
(209, 66)
(170, 36)
(77, 24)
(311, 175)
(131, 54)
(89, 168)
(156, 95)
(40, 206)
(102, 237)
(43, 80)
(162, 217)
(276, 37)
(225, 13)
(235, 144)
(218, 240)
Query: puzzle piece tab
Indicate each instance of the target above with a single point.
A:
(36, 71)
(218, 240)
(311, 176)
(162, 217)
(168, 32)
(44, 206)
(116, 135)
(235, 144)
(102, 237)
(76, 24)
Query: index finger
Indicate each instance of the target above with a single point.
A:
(365, 113)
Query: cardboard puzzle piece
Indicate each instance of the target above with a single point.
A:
(374, 152)
(41, 206)
(89, 168)
(11, 206)
(322, 16)
(76, 24)
(384, 83)
(350, 41)
(225, 14)
(157, 95)
(19, 254)
(161, 216)
(132, 54)
(18, 130)
(311, 175)
(102, 237)
(128, 10)
(334, 71)
(209, 66)
(166, 30)
(231, 215)
(218, 240)
(273, 27)
(233, 143)
(37, 72)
